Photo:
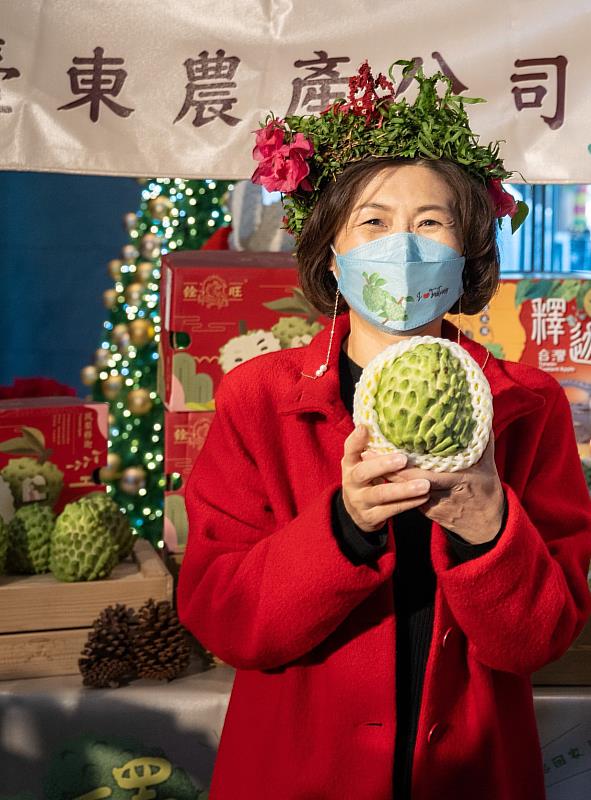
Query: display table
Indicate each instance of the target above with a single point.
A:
(185, 718)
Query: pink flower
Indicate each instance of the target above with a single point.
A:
(283, 165)
(503, 202)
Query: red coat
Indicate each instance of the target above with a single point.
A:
(265, 586)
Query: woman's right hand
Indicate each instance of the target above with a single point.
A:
(371, 493)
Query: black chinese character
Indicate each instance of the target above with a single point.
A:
(7, 73)
(96, 84)
(538, 92)
(210, 81)
(323, 75)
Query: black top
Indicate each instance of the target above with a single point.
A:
(414, 585)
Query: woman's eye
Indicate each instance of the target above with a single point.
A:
(429, 222)
(373, 221)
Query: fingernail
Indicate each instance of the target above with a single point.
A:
(398, 460)
(420, 485)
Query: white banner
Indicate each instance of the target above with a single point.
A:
(147, 88)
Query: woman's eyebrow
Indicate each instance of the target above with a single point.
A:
(419, 210)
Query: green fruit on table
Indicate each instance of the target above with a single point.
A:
(82, 548)
(3, 545)
(114, 520)
(29, 540)
(426, 397)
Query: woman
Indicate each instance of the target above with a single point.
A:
(383, 620)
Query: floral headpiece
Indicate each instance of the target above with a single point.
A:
(299, 155)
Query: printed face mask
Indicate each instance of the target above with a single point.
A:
(400, 282)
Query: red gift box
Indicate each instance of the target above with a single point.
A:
(184, 436)
(65, 431)
(221, 308)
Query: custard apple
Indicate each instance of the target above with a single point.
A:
(428, 398)
(6, 501)
(31, 481)
(114, 520)
(242, 348)
(290, 328)
(29, 540)
(3, 545)
(82, 548)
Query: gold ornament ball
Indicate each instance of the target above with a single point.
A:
(159, 207)
(133, 294)
(141, 331)
(129, 253)
(120, 335)
(112, 421)
(88, 375)
(101, 357)
(132, 480)
(139, 402)
(150, 246)
(114, 267)
(109, 298)
(112, 386)
(144, 271)
(112, 471)
(130, 220)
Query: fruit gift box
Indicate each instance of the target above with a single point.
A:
(51, 449)
(221, 308)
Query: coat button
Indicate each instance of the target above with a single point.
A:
(435, 733)
(446, 637)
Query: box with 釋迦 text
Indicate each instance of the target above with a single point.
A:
(221, 308)
(51, 449)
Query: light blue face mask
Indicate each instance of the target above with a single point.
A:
(400, 282)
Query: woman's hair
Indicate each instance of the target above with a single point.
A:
(474, 213)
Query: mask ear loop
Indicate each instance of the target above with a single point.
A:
(323, 368)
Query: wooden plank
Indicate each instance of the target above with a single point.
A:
(40, 602)
(34, 655)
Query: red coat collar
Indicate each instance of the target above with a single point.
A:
(322, 395)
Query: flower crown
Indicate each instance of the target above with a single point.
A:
(299, 155)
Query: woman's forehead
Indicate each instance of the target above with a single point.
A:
(404, 184)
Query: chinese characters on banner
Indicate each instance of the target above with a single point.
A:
(209, 90)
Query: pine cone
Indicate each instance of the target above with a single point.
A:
(107, 660)
(161, 646)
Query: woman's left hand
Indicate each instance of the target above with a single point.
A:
(469, 502)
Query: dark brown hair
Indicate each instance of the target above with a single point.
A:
(474, 213)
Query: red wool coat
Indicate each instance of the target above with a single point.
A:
(265, 587)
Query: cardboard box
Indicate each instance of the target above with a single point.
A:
(44, 623)
(546, 322)
(573, 669)
(218, 310)
(184, 436)
(66, 431)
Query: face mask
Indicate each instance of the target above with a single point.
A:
(400, 282)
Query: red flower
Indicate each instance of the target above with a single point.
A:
(363, 97)
(283, 165)
(503, 202)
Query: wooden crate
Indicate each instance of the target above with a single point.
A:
(44, 622)
(573, 669)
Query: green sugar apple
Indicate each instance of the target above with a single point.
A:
(426, 397)
(82, 548)
(3, 545)
(6, 501)
(114, 520)
(29, 540)
(31, 481)
(295, 329)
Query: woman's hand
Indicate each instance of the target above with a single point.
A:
(469, 502)
(369, 498)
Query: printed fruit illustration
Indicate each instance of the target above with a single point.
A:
(82, 549)
(29, 540)
(290, 328)
(380, 301)
(6, 502)
(428, 398)
(31, 481)
(242, 348)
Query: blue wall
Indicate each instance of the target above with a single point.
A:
(57, 233)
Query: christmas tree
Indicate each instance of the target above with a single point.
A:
(174, 214)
